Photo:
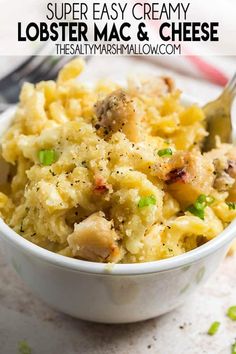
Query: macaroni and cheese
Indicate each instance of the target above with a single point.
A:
(114, 174)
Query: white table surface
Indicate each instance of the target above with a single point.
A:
(24, 316)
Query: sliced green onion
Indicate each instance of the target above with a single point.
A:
(202, 198)
(231, 205)
(205, 199)
(197, 212)
(165, 152)
(47, 157)
(146, 201)
(231, 313)
(213, 328)
(24, 347)
(233, 348)
(199, 206)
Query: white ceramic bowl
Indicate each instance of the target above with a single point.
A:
(119, 294)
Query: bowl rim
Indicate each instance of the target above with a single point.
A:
(10, 236)
(186, 259)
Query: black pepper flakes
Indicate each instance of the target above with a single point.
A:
(52, 173)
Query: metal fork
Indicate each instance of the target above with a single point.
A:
(33, 69)
(219, 118)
